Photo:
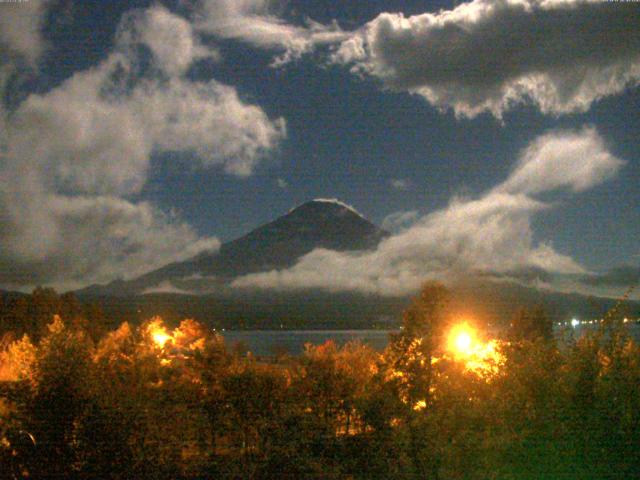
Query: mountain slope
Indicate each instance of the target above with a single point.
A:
(198, 288)
(275, 245)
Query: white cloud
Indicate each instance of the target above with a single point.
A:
(75, 140)
(72, 157)
(490, 234)
(488, 55)
(164, 287)
(256, 22)
(170, 38)
(570, 159)
(210, 120)
(90, 143)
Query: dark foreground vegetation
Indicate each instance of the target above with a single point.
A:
(80, 399)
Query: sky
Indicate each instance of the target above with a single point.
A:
(494, 137)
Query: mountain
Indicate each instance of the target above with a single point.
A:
(198, 287)
(485, 302)
(320, 223)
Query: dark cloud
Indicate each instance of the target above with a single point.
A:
(527, 275)
(487, 55)
(625, 276)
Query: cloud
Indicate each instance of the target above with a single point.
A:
(524, 275)
(282, 183)
(256, 22)
(491, 233)
(489, 55)
(398, 220)
(400, 184)
(70, 240)
(88, 142)
(73, 139)
(20, 29)
(164, 287)
(625, 276)
(488, 235)
(210, 120)
(568, 159)
(73, 158)
(170, 38)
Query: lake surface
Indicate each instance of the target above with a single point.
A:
(268, 342)
(632, 328)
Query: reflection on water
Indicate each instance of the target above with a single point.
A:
(269, 342)
(633, 329)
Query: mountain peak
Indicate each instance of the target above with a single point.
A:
(320, 223)
(328, 201)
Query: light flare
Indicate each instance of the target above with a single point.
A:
(420, 405)
(158, 333)
(462, 340)
(480, 357)
(160, 337)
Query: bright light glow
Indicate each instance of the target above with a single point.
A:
(483, 358)
(158, 332)
(461, 340)
(160, 337)
(575, 323)
(420, 405)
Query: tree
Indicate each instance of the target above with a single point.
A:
(44, 303)
(410, 353)
(63, 380)
(409, 364)
(531, 324)
(14, 316)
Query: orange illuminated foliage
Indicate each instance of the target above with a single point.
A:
(478, 356)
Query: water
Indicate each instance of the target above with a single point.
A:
(633, 329)
(268, 342)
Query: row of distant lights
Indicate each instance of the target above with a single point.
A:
(575, 322)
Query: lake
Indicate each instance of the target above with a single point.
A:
(267, 342)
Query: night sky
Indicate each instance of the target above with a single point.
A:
(488, 136)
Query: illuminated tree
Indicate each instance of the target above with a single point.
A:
(63, 381)
(410, 353)
(16, 382)
(326, 384)
(17, 361)
(408, 367)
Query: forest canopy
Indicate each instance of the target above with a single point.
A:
(444, 400)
